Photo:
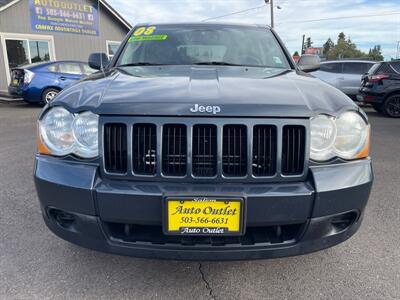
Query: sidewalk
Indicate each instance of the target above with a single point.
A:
(5, 97)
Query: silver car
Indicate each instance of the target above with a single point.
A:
(344, 74)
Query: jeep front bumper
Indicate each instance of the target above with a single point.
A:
(125, 217)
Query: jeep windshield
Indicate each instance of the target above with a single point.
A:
(203, 45)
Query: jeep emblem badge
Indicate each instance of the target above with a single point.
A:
(214, 109)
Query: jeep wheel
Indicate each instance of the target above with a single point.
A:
(48, 95)
(392, 106)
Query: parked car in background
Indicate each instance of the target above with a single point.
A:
(41, 82)
(344, 74)
(380, 87)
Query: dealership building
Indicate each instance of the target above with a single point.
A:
(33, 31)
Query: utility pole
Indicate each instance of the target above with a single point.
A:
(271, 3)
(302, 44)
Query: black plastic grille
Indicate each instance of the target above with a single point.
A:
(144, 147)
(293, 149)
(174, 150)
(264, 150)
(115, 148)
(234, 150)
(254, 236)
(204, 153)
(220, 151)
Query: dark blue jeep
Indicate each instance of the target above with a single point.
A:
(203, 142)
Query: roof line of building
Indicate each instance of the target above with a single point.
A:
(103, 2)
(5, 6)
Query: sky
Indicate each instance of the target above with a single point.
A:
(366, 22)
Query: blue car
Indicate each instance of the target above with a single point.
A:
(41, 82)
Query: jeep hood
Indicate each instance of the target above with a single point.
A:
(173, 91)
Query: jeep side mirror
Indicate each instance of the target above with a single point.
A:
(309, 63)
(98, 61)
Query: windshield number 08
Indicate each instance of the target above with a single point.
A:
(144, 31)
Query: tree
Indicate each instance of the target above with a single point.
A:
(376, 53)
(328, 46)
(341, 38)
(308, 43)
(344, 49)
(296, 53)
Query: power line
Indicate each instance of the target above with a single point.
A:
(341, 18)
(233, 13)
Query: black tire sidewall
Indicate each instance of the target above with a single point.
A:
(385, 106)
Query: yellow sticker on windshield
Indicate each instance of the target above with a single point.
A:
(147, 34)
(156, 37)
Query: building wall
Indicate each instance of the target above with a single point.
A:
(3, 78)
(16, 19)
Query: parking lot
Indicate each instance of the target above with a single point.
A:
(35, 264)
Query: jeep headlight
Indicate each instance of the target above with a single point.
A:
(85, 130)
(346, 136)
(62, 133)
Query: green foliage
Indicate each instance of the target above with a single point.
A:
(328, 46)
(296, 53)
(308, 43)
(376, 53)
(345, 48)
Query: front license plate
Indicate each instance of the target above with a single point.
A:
(15, 82)
(204, 216)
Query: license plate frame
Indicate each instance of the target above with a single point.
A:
(226, 232)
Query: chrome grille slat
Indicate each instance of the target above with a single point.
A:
(116, 150)
(264, 150)
(293, 150)
(144, 149)
(174, 154)
(204, 156)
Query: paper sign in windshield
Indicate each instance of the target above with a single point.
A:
(156, 37)
(147, 34)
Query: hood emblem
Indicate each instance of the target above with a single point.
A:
(214, 109)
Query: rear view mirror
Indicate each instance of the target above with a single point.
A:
(98, 61)
(309, 63)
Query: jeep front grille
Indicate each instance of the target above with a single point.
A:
(115, 150)
(204, 153)
(219, 149)
(293, 149)
(174, 150)
(144, 147)
(264, 150)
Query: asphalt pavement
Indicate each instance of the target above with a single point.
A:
(35, 264)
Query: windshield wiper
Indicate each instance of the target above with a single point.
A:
(142, 63)
(216, 63)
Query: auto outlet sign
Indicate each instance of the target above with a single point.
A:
(77, 17)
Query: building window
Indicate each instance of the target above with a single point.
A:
(21, 52)
(112, 48)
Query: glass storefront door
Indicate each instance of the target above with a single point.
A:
(19, 50)
(22, 52)
(17, 53)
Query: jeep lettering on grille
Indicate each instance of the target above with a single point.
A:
(214, 109)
